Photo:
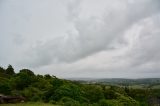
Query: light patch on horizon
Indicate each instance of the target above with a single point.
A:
(87, 38)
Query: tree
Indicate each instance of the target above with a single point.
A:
(67, 90)
(47, 76)
(10, 70)
(32, 93)
(5, 88)
(2, 70)
(24, 79)
(93, 92)
(27, 71)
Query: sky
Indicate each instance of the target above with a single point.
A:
(82, 38)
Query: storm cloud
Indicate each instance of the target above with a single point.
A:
(86, 38)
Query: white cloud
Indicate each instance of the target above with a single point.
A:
(93, 38)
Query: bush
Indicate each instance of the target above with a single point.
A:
(112, 103)
(66, 101)
(67, 90)
(94, 93)
(127, 101)
(32, 93)
(72, 103)
(5, 88)
(103, 102)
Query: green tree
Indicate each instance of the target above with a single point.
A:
(32, 93)
(10, 70)
(93, 92)
(47, 76)
(27, 71)
(5, 88)
(23, 80)
(2, 70)
(67, 90)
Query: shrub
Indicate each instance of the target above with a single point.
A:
(66, 101)
(103, 102)
(94, 93)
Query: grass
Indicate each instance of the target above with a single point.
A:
(29, 104)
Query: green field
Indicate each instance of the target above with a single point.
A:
(29, 104)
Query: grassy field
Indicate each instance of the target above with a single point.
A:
(29, 104)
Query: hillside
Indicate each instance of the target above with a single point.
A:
(102, 92)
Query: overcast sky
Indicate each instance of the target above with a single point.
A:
(82, 38)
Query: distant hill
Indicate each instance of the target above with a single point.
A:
(119, 81)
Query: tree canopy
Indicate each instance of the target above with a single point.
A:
(49, 88)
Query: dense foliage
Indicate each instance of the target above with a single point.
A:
(50, 89)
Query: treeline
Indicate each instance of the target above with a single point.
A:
(127, 82)
(47, 88)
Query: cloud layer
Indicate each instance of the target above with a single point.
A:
(82, 38)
